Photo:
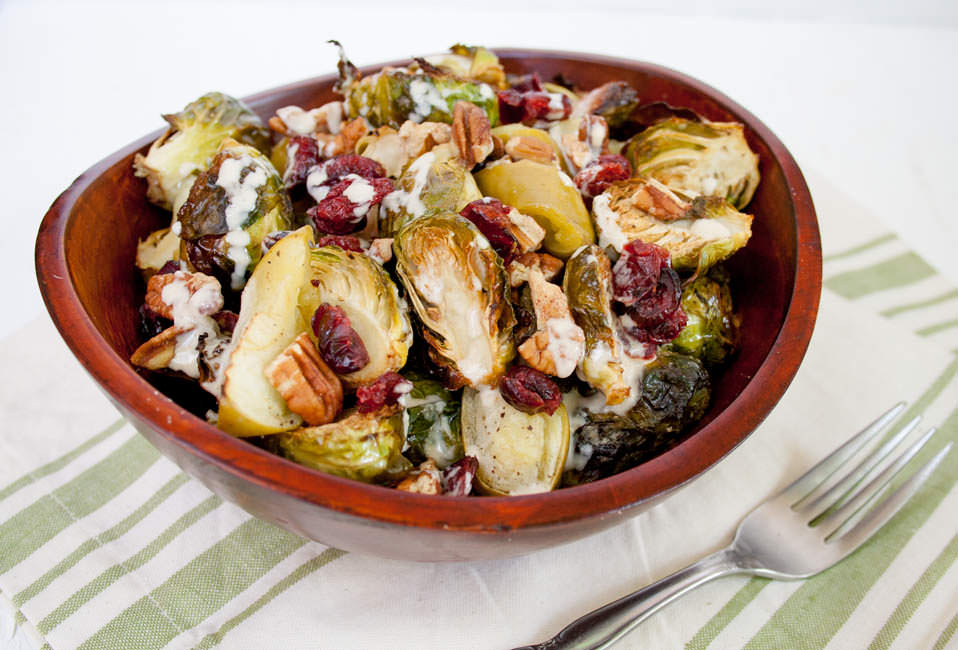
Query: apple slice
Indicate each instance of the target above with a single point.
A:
(268, 322)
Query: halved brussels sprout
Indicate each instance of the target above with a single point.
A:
(432, 422)
(268, 322)
(546, 194)
(365, 447)
(435, 183)
(712, 330)
(394, 95)
(613, 101)
(697, 158)
(457, 285)
(518, 453)
(609, 444)
(675, 394)
(159, 247)
(506, 132)
(240, 198)
(474, 63)
(360, 286)
(192, 140)
(697, 234)
(588, 286)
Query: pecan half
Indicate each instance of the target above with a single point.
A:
(310, 388)
(471, 132)
(157, 353)
(527, 231)
(658, 201)
(559, 344)
(425, 479)
(518, 269)
(526, 147)
(204, 292)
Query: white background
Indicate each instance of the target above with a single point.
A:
(863, 93)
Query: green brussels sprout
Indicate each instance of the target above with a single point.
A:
(675, 394)
(194, 137)
(588, 286)
(697, 158)
(435, 183)
(363, 289)
(365, 447)
(697, 234)
(432, 422)
(428, 94)
(712, 330)
(457, 285)
(239, 200)
(613, 101)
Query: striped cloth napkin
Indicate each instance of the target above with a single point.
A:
(104, 544)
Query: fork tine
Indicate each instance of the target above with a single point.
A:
(814, 508)
(853, 505)
(887, 509)
(811, 479)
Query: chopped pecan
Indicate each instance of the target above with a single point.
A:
(425, 479)
(293, 120)
(157, 353)
(471, 132)
(417, 139)
(658, 201)
(310, 388)
(559, 344)
(526, 147)
(527, 231)
(204, 292)
(381, 250)
(345, 141)
(518, 269)
(498, 148)
(277, 125)
(588, 142)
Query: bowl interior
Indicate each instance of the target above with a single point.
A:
(108, 213)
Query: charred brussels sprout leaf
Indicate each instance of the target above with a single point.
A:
(609, 444)
(697, 233)
(241, 197)
(432, 423)
(675, 394)
(434, 183)
(712, 330)
(697, 158)
(457, 285)
(613, 101)
(588, 286)
(364, 447)
(192, 140)
(360, 286)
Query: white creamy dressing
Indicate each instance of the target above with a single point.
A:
(598, 131)
(576, 458)
(610, 233)
(202, 339)
(333, 112)
(177, 228)
(297, 120)
(707, 229)
(411, 201)
(291, 150)
(425, 97)
(566, 180)
(556, 107)
(485, 91)
(566, 344)
(361, 192)
(241, 198)
(436, 445)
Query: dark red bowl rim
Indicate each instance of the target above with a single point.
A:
(488, 514)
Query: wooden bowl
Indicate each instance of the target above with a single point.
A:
(85, 252)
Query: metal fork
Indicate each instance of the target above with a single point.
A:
(806, 528)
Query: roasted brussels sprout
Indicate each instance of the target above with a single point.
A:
(697, 158)
(588, 286)
(360, 286)
(697, 234)
(435, 183)
(675, 394)
(474, 63)
(159, 247)
(607, 445)
(427, 94)
(457, 285)
(239, 200)
(364, 447)
(712, 330)
(192, 140)
(506, 132)
(432, 422)
(518, 453)
(546, 194)
(613, 101)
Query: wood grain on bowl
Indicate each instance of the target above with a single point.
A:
(84, 256)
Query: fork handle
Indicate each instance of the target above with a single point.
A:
(604, 626)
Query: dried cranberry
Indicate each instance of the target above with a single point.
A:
(531, 106)
(663, 331)
(335, 168)
(593, 179)
(346, 242)
(339, 344)
(643, 280)
(151, 323)
(457, 478)
(491, 217)
(302, 154)
(226, 320)
(527, 82)
(170, 267)
(387, 389)
(637, 271)
(272, 239)
(529, 390)
(208, 255)
(337, 213)
(663, 299)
